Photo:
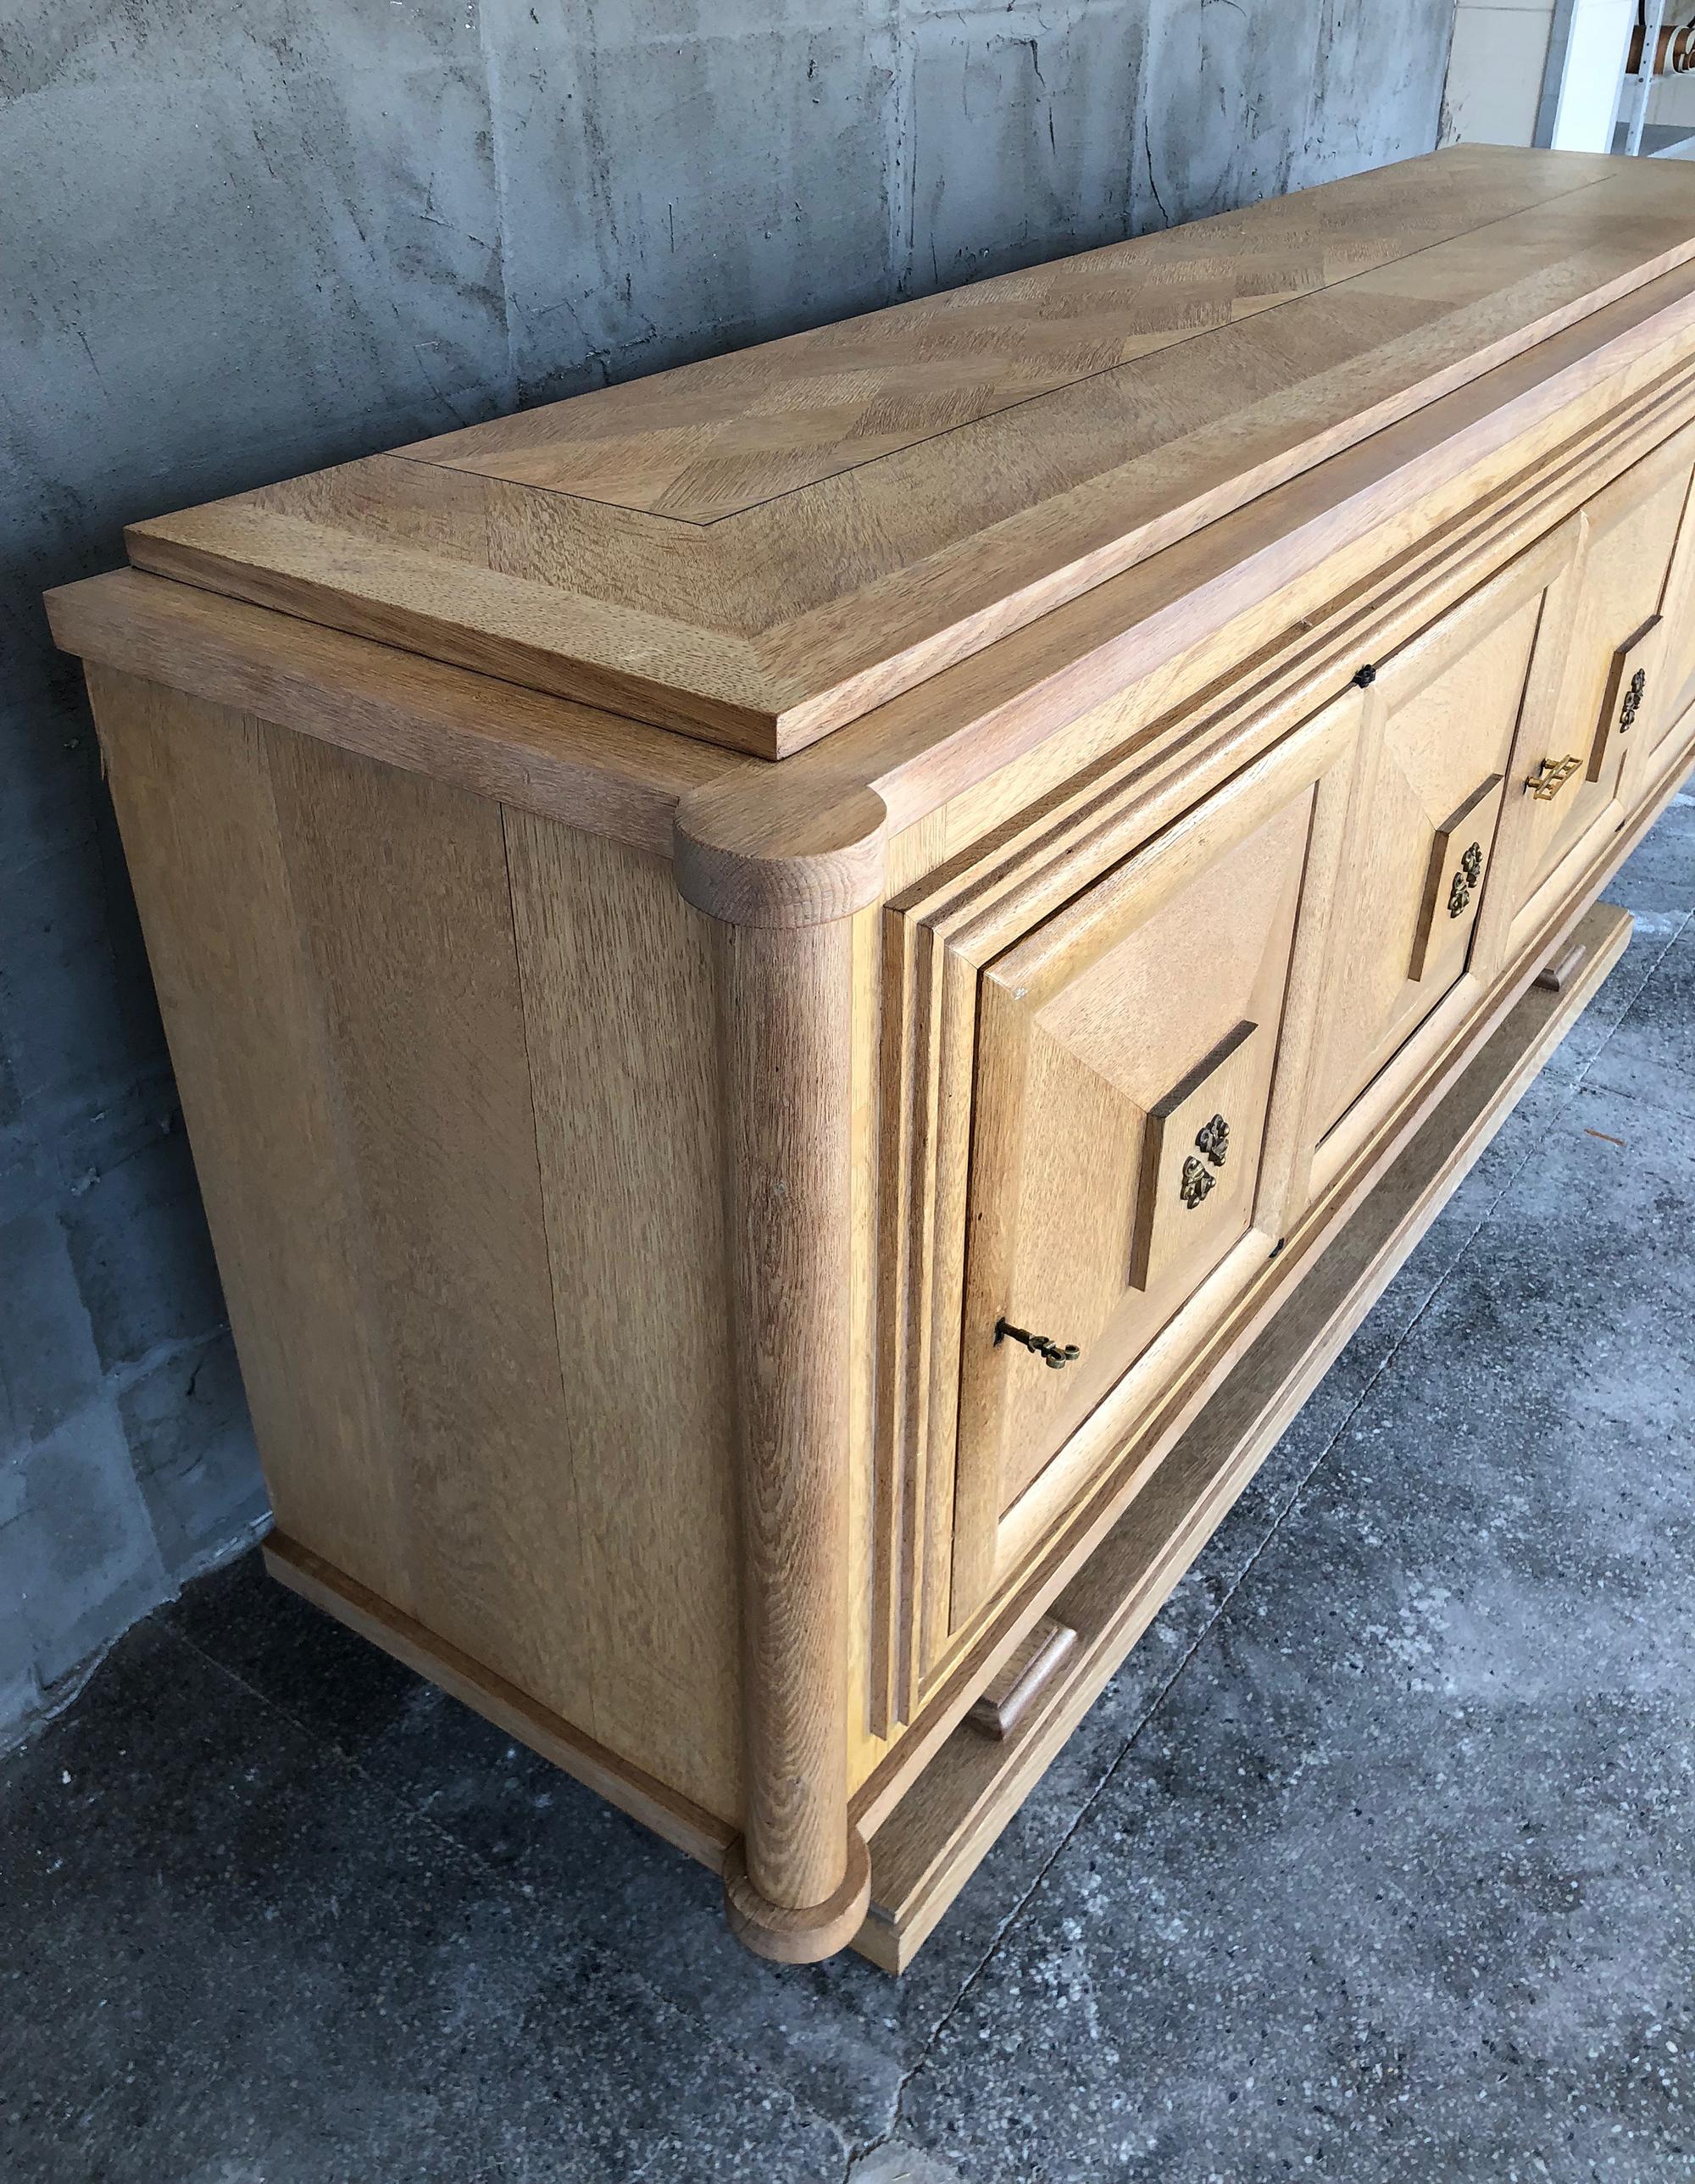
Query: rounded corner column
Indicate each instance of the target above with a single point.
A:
(797, 1881)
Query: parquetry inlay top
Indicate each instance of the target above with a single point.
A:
(761, 547)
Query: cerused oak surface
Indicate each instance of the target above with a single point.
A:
(761, 547)
(730, 1258)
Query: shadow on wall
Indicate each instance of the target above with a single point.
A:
(236, 256)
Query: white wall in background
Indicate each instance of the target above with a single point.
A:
(1598, 41)
(1495, 72)
(1499, 63)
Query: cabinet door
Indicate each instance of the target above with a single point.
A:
(1139, 1058)
(1564, 784)
(1667, 702)
(1417, 861)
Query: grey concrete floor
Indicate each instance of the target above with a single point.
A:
(1373, 1862)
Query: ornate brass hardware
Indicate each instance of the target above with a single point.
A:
(1049, 1352)
(1551, 777)
(1214, 1139)
(1365, 677)
(1633, 699)
(1465, 880)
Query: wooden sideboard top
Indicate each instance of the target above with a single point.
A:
(762, 548)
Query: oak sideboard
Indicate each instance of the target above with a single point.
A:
(811, 993)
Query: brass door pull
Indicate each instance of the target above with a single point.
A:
(1467, 873)
(1551, 777)
(1212, 1142)
(1214, 1139)
(1049, 1352)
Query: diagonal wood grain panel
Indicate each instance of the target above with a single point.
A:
(762, 548)
(712, 439)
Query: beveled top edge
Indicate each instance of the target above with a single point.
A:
(593, 771)
(871, 584)
(804, 842)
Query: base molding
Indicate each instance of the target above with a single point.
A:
(701, 1833)
(928, 1847)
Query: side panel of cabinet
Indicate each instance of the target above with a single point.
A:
(449, 1078)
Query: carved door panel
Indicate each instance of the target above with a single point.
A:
(1419, 850)
(1138, 1060)
(1596, 689)
(1666, 703)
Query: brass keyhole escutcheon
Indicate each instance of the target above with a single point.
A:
(1050, 1352)
(1634, 692)
(1552, 775)
(1465, 879)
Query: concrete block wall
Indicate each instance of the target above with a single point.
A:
(244, 238)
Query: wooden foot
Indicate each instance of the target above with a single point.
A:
(1555, 976)
(1006, 1699)
(797, 1936)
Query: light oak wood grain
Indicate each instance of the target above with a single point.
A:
(1115, 1462)
(1626, 535)
(715, 438)
(1041, 1072)
(957, 1679)
(700, 1835)
(593, 771)
(1069, 1081)
(251, 1047)
(1089, 674)
(400, 893)
(929, 1847)
(1191, 611)
(797, 1934)
(786, 1017)
(1441, 717)
(465, 1185)
(618, 981)
(1673, 691)
(772, 861)
(799, 605)
(1008, 1701)
(646, 1175)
